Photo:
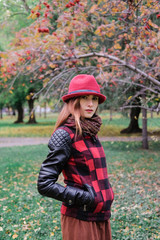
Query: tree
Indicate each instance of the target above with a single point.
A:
(30, 99)
(117, 41)
(134, 116)
(16, 100)
(13, 16)
(2, 103)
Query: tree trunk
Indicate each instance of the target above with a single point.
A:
(13, 112)
(32, 118)
(144, 127)
(133, 126)
(40, 112)
(20, 114)
(110, 115)
(1, 115)
(45, 110)
(9, 113)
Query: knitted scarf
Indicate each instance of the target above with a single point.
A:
(90, 126)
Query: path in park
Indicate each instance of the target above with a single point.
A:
(23, 141)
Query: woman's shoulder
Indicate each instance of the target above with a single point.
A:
(68, 129)
(60, 137)
(65, 130)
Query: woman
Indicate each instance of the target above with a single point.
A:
(75, 150)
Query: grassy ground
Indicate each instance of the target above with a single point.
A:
(45, 127)
(24, 214)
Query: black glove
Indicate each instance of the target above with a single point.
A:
(79, 197)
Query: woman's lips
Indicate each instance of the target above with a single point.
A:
(89, 110)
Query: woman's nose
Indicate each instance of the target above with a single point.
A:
(90, 103)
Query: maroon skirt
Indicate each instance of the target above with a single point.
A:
(75, 229)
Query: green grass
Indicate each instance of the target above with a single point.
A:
(134, 175)
(45, 126)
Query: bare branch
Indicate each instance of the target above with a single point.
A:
(137, 84)
(26, 6)
(157, 109)
(18, 13)
(124, 63)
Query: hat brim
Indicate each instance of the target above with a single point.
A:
(102, 97)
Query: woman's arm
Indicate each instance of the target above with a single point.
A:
(59, 153)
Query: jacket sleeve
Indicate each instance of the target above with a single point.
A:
(59, 153)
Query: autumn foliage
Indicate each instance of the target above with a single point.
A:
(115, 40)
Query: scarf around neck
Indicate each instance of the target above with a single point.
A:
(90, 126)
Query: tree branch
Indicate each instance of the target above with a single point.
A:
(157, 109)
(124, 63)
(137, 84)
(18, 13)
(26, 6)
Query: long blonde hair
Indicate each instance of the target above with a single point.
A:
(71, 107)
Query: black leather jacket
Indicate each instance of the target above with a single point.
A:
(59, 152)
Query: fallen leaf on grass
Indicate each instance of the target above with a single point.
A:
(14, 236)
(3, 199)
(126, 229)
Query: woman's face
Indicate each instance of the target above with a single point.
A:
(88, 105)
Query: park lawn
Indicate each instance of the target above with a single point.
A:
(133, 172)
(45, 126)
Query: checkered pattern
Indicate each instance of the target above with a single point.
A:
(87, 164)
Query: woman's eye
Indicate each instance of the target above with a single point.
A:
(95, 98)
(84, 97)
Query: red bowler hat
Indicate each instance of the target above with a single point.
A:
(84, 84)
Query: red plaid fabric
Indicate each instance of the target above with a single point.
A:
(87, 164)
